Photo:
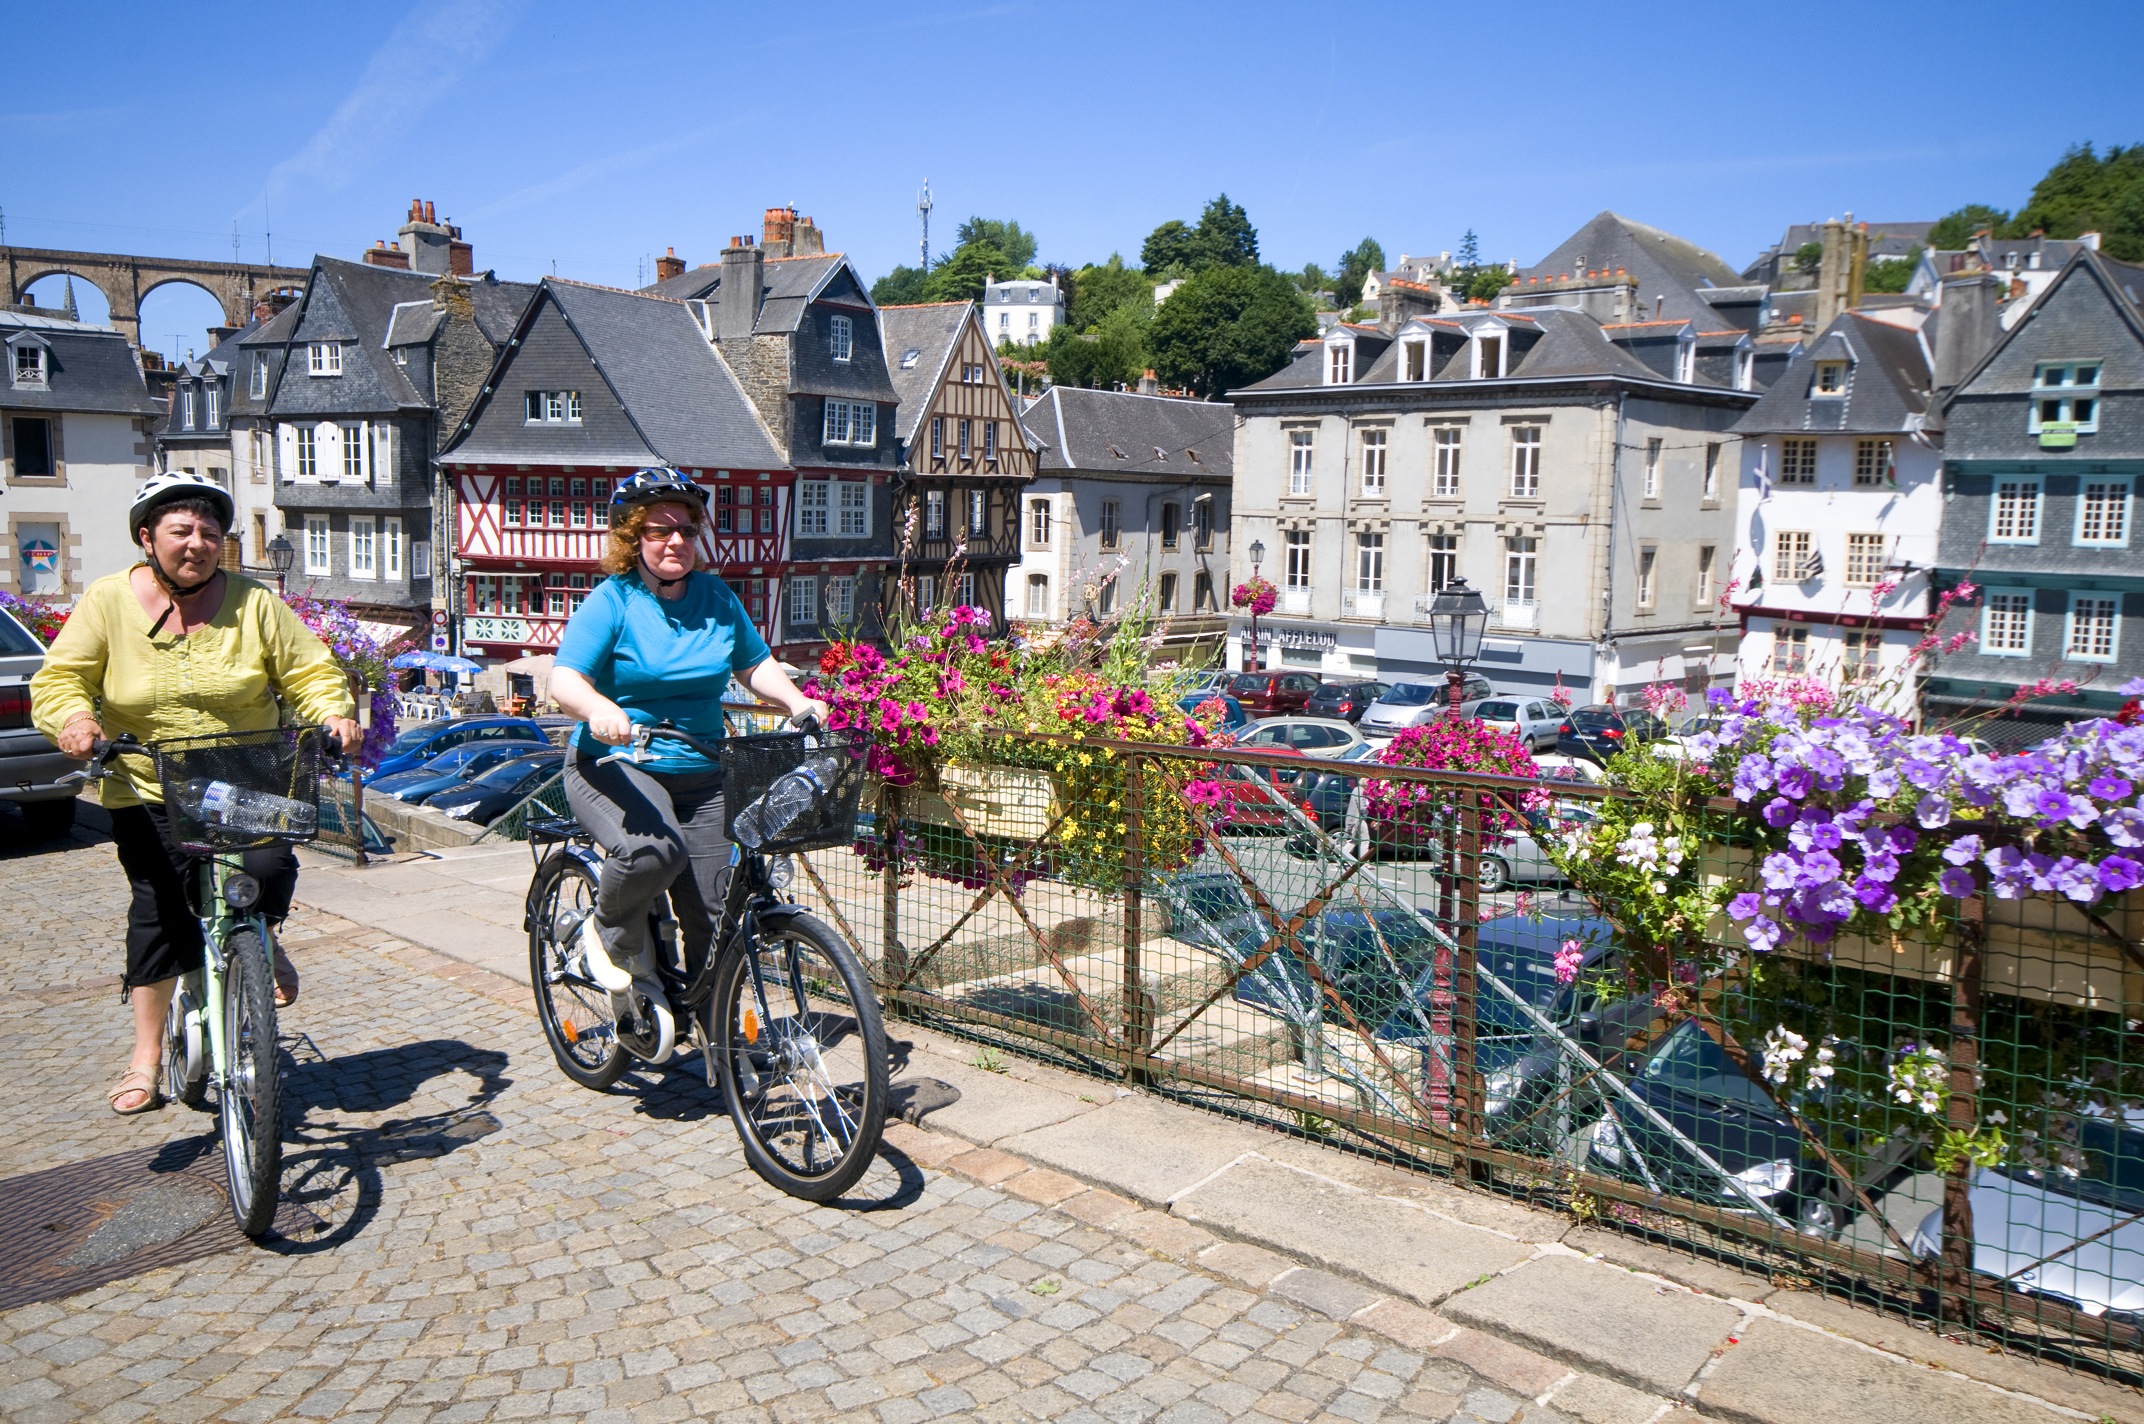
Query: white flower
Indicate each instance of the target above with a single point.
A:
(1783, 1048)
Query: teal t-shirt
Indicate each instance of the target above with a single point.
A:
(662, 660)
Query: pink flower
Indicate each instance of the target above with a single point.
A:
(1568, 960)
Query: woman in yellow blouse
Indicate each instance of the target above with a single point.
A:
(176, 647)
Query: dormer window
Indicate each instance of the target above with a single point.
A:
(1745, 368)
(1488, 356)
(323, 358)
(1414, 361)
(1686, 360)
(259, 385)
(212, 394)
(1339, 363)
(1830, 378)
(841, 338)
(2065, 400)
(186, 408)
(30, 367)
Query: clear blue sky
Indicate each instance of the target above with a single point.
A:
(594, 136)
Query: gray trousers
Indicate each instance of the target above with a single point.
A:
(659, 833)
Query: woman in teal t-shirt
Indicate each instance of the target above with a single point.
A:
(656, 641)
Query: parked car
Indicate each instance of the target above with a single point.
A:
(1554, 766)
(451, 768)
(500, 789)
(1347, 700)
(1273, 692)
(2077, 1241)
(1533, 721)
(1264, 798)
(1517, 859)
(1200, 681)
(1598, 732)
(1210, 908)
(30, 766)
(426, 740)
(1312, 736)
(1410, 704)
(1235, 719)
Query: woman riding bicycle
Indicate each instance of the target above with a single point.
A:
(657, 641)
(177, 647)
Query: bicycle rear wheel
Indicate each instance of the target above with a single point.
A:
(576, 1013)
(250, 1098)
(802, 1056)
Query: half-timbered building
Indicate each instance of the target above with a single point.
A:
(595, 384)
(957, 509)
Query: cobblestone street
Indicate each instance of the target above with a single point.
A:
(496, 1243)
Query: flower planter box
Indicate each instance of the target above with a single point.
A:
(1010, 802)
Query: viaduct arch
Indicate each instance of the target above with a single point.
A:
(125, 280)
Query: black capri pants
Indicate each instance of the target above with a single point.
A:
(163, 930)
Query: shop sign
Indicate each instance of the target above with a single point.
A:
(1309, 638)
(2058, 435)
(495, 630)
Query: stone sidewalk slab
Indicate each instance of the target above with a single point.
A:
(1601, 1318)
(1400, 1248)
(1783, 1374)
(1147, 1149)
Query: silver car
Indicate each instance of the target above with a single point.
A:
(1410, 704)
(30, 766)
(1312, 736)
(1534, 721)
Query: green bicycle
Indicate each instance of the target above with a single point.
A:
(223, 795)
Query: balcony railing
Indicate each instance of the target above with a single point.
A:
(1295, 601)
(1518, 613)
(1363, 603)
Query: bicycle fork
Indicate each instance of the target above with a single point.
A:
(216, 927)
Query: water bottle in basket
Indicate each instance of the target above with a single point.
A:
(243, 810)
(792, 794)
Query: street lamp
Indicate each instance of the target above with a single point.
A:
(1457, 618)
(280, 556)
(1258, 556)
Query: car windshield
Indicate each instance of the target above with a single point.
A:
(16, 640)
(1690, 1062)
(2108, 1167)
(505, 775)
(1216, 899)
(1412, 694)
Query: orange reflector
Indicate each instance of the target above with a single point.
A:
(751, 1024)
(573, 1035)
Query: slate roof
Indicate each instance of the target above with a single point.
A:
(1549, 341)
(676, 389)
(931, 330)
(1662, 262)
(89, 368)
(788, 284)
(1119, 432)
(2121, 279)
(1886, 239)
(222, 360)
(1887, 389)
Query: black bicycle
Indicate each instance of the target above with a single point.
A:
(784, 1017)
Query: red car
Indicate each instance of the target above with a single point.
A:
(1272, 693)
(1259, 797)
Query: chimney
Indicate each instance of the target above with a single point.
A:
(1149, 384)
(461, 257)
(1840, 270)
(808, 241)
(432, 246)
(381, 255)
(1968, 321)
(778, 231)
(669, 265)
(743, 280)
(2089, 239)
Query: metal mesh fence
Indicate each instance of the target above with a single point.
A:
(1947, 1121)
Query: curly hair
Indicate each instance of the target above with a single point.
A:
(622, 555)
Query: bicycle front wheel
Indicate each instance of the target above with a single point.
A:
(576, 1013)
(250, 1097)
(802, 1056)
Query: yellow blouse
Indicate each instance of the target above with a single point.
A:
(222, 677)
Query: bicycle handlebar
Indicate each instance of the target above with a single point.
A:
(645, 732)
(102, 750)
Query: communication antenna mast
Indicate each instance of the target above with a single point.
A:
(923, 210)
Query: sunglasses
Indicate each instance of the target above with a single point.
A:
(663, 533)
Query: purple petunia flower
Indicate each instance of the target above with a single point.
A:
(2022, 799)
(1852, 818)
(1904, 839)
(1883, 783)
(2119, 873)
(1875, 895)
(2076, 879)
(2109, 787)
(1763, 934)
(1746, 905)
(1753, 775)
(1780, 871)
(1932, 811)
(2006, 866)
(1962, 851)
(1881, 865)
(1779, 811)
(1815, 831)
(1924, 774)
(1818, 867)
(1957, 883)
(1795, 781)
(1829, 768)
(2124, 827)
(2133, 688)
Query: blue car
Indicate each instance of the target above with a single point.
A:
(1234, 724)
(449, 769)
(426, 740)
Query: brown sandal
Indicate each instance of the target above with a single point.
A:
(135, 1080)
(286, 980)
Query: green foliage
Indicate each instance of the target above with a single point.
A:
(1224, 237)
(903, 286)
(1469, 250)
(1116, 350)
(1010, 238)
(1099, 290)
(1808, 257)
(1229, 326)
(1953, 231)
(1890, 274)
(1171, 247)
(1481, 284)
(960, 277)
(2085, 192)
(1313, 279)
(1356, 264)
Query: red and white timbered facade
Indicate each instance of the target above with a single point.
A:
(530, 538)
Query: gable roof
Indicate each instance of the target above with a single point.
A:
(2123, 282)
(1662, 263)
(931, 330)
(1119, 432)
(788, 286)
(1888, 385)
(91, 368)
(675, 388)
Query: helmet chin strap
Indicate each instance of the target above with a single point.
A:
(174, 590)
(648, 570)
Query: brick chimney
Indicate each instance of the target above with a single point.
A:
(381, 255)
(743, 281)
(431, 245)
(669, 265)
(778, 232)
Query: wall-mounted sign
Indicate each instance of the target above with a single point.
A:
(2058, 434)
(495, 630)
(1269, 637)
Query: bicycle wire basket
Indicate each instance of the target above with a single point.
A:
(752, 764)
(240, 790)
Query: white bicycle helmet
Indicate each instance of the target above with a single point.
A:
(160, 490)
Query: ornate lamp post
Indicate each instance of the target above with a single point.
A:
(1252, 662)
(280, 557)
(1457, 619)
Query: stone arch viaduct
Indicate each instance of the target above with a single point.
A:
(126, 280)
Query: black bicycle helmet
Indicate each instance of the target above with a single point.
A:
(655, 485)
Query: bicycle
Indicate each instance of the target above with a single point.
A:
(223, 795)
(803, 1070)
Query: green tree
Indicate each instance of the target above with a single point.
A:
(1890, 274)
(2085, 192)
(1953, 231)
(1098, 291)
(1356, 264)
(961, 276)
(1225, 236)
(1115, 351)
(1172, 246)
(903, 286)
(1469, 251)
(1010, 238)
(1808, 258)
(1229, 326)
(1313, 279)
